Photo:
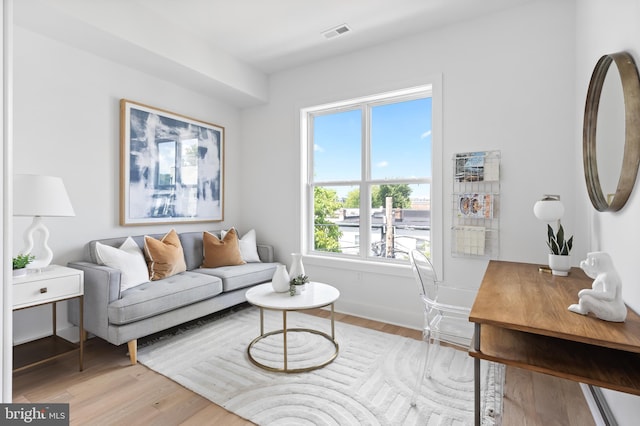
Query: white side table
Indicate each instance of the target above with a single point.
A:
(53, 284)
(317, 295)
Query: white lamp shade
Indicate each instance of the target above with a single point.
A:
(35, 195)
(548, 209)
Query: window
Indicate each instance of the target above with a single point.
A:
(370, 176)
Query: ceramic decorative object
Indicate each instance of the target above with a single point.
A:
(604, 298)
(560, 264)
(280, 280)
(297, 268)
(300, 288)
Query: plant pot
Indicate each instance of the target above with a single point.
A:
(300, 288)
(560, 265)
(20, 272)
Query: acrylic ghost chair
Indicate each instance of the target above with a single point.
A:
(446, 315)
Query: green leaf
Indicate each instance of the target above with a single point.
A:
(550, 235)
(560, 236)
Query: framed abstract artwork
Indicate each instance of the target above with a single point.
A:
(171, 167)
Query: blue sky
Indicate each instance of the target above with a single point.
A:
(400, 142)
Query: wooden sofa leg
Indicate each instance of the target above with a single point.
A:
(133, 351)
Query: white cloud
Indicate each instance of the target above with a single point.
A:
(382, 164)
(318, 148)
(425, 134)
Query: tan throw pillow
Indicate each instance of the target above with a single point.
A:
(165, 257)
(225, 252)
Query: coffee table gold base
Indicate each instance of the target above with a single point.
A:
(293, 370)
(284, 333)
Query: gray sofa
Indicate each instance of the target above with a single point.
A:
(123, 317)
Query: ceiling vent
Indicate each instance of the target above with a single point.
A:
(337, 31)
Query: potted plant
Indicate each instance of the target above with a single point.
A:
(20, 263)
(560, 251)
(298, 284)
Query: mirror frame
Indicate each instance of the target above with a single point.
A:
(631, 159)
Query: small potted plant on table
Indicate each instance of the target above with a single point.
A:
(559, 257)
(298, 284)
(20, 263)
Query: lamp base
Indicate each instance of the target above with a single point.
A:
(36, 238)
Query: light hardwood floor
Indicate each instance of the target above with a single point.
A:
(111, 391)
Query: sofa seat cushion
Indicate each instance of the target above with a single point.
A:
(241, 276)
(156, 297)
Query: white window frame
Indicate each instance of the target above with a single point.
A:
(433, 89)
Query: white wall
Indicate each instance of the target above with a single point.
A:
(67, 124)
(603, 27)
(508, 84)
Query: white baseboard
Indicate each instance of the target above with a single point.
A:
(70, 334)
(594, 406)
(377, 313)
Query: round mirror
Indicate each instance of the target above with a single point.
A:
(611, 131)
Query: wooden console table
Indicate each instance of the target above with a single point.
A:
(521, 319)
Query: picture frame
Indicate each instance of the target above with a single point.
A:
(171, 167)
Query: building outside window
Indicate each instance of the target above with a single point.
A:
(370, 176)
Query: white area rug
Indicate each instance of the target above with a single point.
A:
(369, 383)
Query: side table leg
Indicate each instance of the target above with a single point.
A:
(261, 322)
(476, 376)
(284, 334)
(333, 328)
(81, 331)
(54, 318)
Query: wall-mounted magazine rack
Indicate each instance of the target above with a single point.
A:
(475, 204)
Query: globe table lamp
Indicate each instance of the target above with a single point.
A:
(549, 208)
(39, 196)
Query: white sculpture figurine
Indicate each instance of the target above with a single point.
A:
(604, 298)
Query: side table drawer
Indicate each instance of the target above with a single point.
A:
(41, 291)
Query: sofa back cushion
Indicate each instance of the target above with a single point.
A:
(192, 247)
(165, 256)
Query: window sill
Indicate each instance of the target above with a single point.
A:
(395, 269)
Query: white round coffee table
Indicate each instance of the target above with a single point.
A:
(317, 295)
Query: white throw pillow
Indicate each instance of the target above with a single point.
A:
(128, 259)
(247, 244)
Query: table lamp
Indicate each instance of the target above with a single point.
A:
(39, 196)
(549, 208)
